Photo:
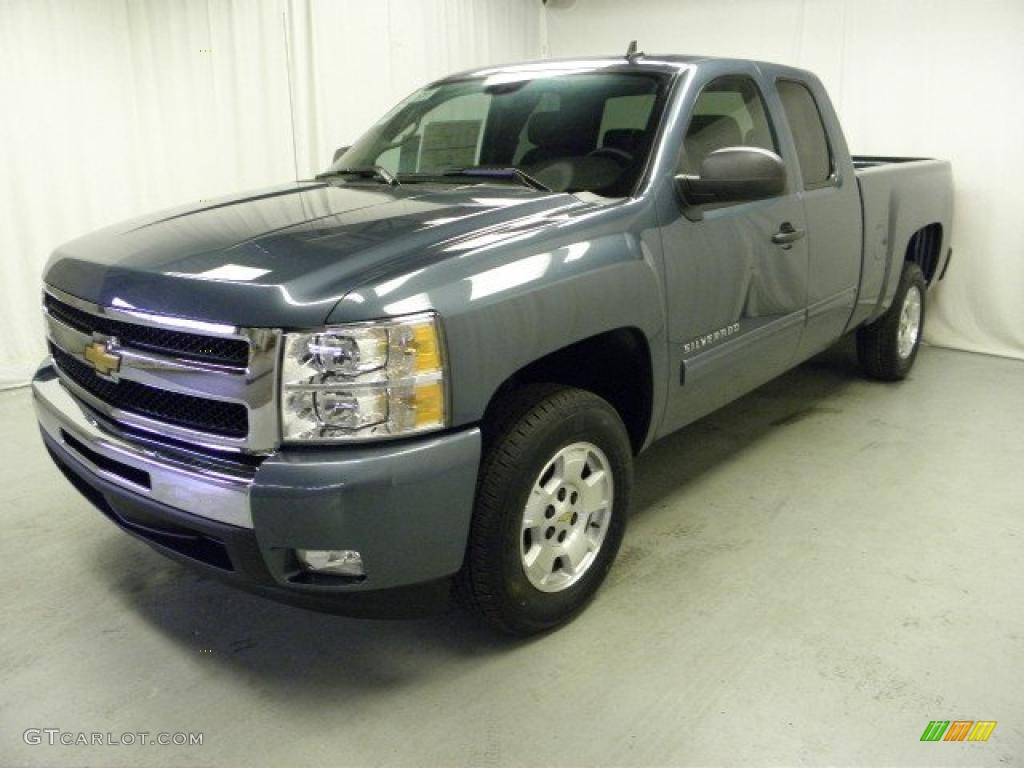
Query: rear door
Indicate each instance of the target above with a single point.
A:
(735, 297)
(832, 203)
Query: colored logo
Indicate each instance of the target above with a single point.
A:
(958, 730)
(104, 361)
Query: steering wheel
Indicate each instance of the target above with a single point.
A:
(612, 153)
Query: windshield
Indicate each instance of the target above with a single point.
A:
(571, 132)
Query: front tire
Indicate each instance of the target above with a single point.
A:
(888, 347)
(551, 505)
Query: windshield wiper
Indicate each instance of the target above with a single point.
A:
(363, 171)
(497, 172)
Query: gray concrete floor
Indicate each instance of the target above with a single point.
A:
(811, 575)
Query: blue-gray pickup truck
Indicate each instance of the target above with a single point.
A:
(426, 373)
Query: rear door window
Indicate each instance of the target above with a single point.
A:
(812, 149)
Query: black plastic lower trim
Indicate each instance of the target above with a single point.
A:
(131, 474)
(949, 258)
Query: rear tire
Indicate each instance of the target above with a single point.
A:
(551, 504)
(888, 347)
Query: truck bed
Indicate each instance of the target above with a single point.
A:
(872, 161)
(900, 196)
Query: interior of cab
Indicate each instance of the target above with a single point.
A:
(729, 113)
(571, 133)
(595, 140)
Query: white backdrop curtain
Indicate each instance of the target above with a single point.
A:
(112, 108)
(908, 77)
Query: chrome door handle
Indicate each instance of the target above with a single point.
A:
(787, 234)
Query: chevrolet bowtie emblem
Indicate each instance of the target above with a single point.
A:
(103, 361)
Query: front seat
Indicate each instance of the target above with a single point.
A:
(706, 134)
(627, 140)
(554, 137)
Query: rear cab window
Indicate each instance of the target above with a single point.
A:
(625, 118)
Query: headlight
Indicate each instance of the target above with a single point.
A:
(365, 381)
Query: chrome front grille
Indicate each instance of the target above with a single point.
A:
(217, 416)
(211, 349)
(204, 383)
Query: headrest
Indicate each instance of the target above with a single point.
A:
(552, 129)
(720, 130)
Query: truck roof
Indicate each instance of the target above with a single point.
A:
(646, 62)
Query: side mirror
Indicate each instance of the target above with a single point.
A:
(734, 175)
(339, 152)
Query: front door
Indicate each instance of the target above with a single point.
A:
(736, 275)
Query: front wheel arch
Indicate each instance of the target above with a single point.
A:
(615, 365)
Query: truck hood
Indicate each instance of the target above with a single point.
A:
(284, 257)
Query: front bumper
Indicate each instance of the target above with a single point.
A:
(405, 506)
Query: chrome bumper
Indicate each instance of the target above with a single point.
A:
(191, 482)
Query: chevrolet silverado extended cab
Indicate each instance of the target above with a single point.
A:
(427, 372)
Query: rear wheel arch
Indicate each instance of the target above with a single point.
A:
(888, 346)
(924, 249)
